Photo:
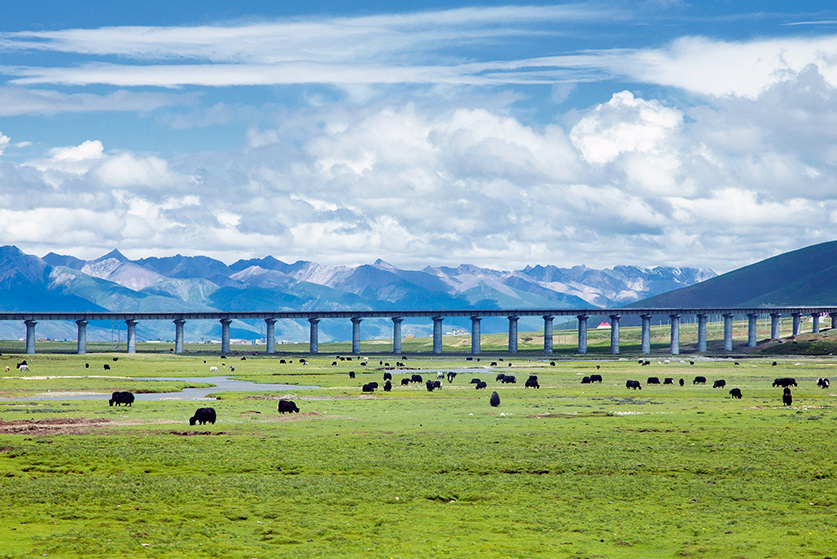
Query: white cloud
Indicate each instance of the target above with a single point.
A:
(4, 142)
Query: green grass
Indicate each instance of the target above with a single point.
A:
(568, 470)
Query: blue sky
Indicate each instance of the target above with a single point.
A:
(431, 133)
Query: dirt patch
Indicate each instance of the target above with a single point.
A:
(50, 426)
(298, 416)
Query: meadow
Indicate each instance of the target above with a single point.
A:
(567, 470)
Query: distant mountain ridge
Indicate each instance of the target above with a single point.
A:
(199, 283)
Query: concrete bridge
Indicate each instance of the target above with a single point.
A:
(476, 315)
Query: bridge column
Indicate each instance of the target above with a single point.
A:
(701, 344)
(314, 336)
(796, 321)
(270, 336)
(646, 334)
(675, 334)
(816, 319)
(437, 334)
(547, 334)
(752, 324)
(614, 334)
(82, 337)
(132, 335)
(30, 335)
(774, 325)
(396, 334)
(728, 331)
(178, 335)
(582, 334)
(356, 335)
(833, 316)
(513, 333)
(225, 335)
(475, 335)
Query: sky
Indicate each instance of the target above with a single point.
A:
(601, 133)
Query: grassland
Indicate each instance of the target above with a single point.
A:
(568, 470)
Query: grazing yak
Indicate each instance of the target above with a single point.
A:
(405, 381)
(387, 376)
(509, 379)
(202, 416)
(287, 406)
(787, 397)
(120, 398)
(440, 374)
(735, 393)
(475, 380)
(595, 378)
(633, 384)
(532, 382)
(106, 367)
(668, 380)
(433, 385)
(481, 384)
(21, 364)
(682, 382)
(699, 380)
(822, 382)
(351, 374)
(719, 383)
(213, 369)
(500, 376)
(653, 380)
(26, 367)
(585, 380)
(368, 387)
(416, 378)
(451, 376)
(784, 382)
(495, 400)
(387, 386)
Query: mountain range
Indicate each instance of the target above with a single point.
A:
(114, 282)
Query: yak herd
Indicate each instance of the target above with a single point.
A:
(208, 415)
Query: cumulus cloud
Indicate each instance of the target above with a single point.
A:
(4, 142)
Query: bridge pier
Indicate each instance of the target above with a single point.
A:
(437, 334)
(30, 335)
(582, 334)
(476, 342)
(314, 336)
(132, 335)
(356, 335)
(178, 335)
(614, 334)
(675, 334)
(796, 323)
(646, 334)
(701, 343)
(815, 317)
(270, 336)
(396, 334)
(225, 335)
(547, 334)
(833, 316)
(774, 325)
(513, 333)
(82, 337)
(728, 332)
(752, 324)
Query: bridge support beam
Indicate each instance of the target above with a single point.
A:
(132, 335)
(270, 336)
(774, 325)
(796, 323)
(513, 333)
(225, 335)
(675, 334)
(314, 336)
(752, 324)
(178, 335)
(476, 342)
(437, 334)
(82, 337)
(645, 348)
(701, 343)
(582, 334)
(614, 334)
(548, 334)
(356, 335)
(728, 332)
(833, 316)
(396, 334)
(30, 335)
(815, 317)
